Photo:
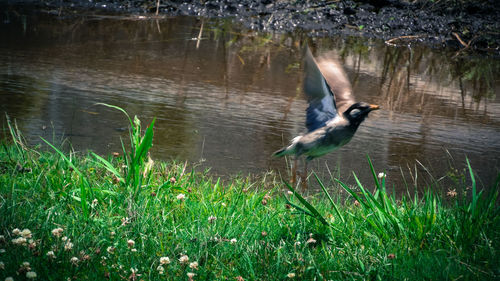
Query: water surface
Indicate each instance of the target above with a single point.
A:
(228, 97)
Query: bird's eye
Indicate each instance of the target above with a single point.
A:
(355, 112)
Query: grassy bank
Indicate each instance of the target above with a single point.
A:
(67, 216)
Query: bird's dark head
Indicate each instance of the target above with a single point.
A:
(357, 112)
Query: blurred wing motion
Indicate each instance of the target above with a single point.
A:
(327, 89)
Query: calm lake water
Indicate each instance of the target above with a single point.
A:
(228, 97)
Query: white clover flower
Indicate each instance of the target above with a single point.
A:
(26, 233)
(31, 275)
(160, 269)
(110, 249)
(190, 275)
(164, 260)
(381, 175)
(133, 270)
(9, 279)
(233, 241)
(74, 260)
(212, 219)
(131, 243)
(2, 251)
(290, 275)
(64, 239)
(25, 264)
(2, 265)
(68, 246)
(2, 238)
(311, 241)
(184, 259)
(193, 265)
(57, 232)
(51, 255)
(16, 231)
(133, 250)
(181, 197)
(32, 244)
(19, 241)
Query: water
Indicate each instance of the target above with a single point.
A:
(227, 97)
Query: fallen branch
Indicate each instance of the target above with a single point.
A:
(390, 42)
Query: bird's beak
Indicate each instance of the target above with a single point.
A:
(374, 107)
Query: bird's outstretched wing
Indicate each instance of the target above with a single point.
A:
(337, 80)
(322, 106)
(327, 89)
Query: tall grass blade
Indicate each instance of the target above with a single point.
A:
(329, 198)
(84, 185)
(108, 166)
(309, 207)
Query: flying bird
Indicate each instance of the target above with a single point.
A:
(332, 117)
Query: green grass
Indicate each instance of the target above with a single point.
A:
(240, 227)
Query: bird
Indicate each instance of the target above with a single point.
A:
(332, 115)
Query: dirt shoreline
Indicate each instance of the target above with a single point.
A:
(472, 26)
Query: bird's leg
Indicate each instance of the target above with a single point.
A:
(294, 171)
(304, 176)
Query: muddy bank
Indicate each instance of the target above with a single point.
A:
(470, 25)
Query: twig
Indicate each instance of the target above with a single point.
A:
(460, 40)
(199, 35)
(412, 37)
(465, 45)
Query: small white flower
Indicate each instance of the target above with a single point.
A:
(131, 243)
(311, 240)
(181, 197)
(160, 269)
(19, 241)
(233, 241)
(2, 238)
(25, 264)
(184, 259)
(95, 202)
(51, 255)
(223, 204)
(193, 265)
(133, 270)
(2, 265)
(9, 279)
(57, 232)
(16, 231)
(290, 275)
(212, 219)
(64, 239)
(31, 275)
(110, 249)
(26, 233)
(112, 233)
(190, 275)
(2, 251)
(133, 250)
(68, 246)
(74, 260)
(164, 260)
(381, 175)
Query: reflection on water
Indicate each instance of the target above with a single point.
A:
(232, 97)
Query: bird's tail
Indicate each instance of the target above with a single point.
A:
(281, 152)
(291, 149)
